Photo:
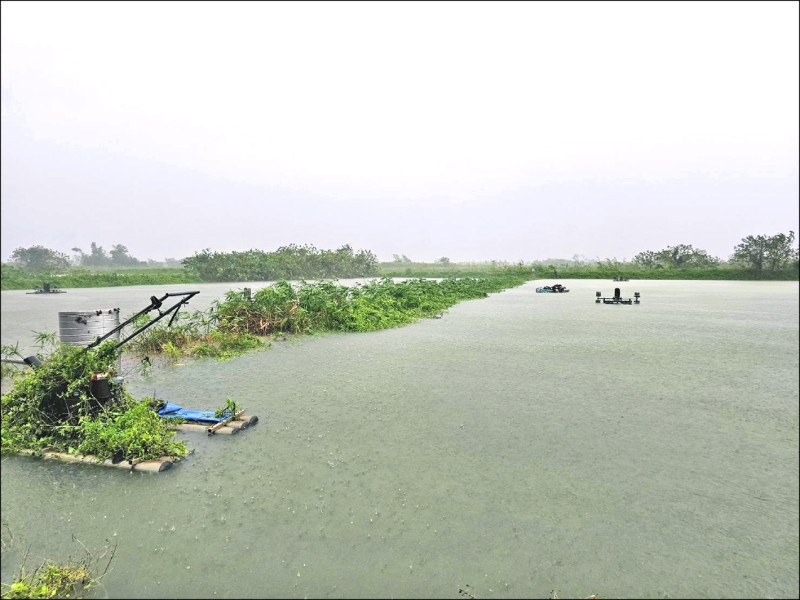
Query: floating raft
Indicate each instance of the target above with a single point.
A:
(552, 289)
(204, 420)
(618, 299)
(152, 466)
(47, 289)
(227, 427)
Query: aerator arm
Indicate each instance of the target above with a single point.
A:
(155, 304)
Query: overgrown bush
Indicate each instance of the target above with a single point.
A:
(53, 407)
(241, 320)
(135, 433)
(328, 306)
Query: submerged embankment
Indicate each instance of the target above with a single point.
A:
(233, 324)
(55, 406)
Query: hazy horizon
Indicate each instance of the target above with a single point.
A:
(477, 131)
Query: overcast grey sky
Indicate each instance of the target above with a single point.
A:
(477, 131)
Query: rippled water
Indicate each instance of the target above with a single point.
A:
(521, 444)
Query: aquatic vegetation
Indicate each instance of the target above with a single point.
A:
(326, 306)
(230, 408)
(156, 339)
(53, 406)
(242, 320)
(73, 579)
(222, 345)
(10, 352)
(135, 433)
(50, 581)
(191, 334)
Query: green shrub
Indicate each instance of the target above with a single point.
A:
(136, 433)
(331, 307)
(53, 407)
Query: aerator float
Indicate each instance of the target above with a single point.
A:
(617, 299)
(47, 289)
(552, 289)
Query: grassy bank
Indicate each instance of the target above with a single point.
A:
(593, 271)
(14, 278)
(630, 271)
(394, 269)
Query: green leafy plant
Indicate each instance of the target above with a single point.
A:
(135, 433)
(170, 350)
(46, 340)
(230, 408)
(10, 353)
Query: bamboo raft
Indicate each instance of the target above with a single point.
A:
(152, 466)
(233, 424)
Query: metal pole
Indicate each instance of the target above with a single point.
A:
(161, 315)
(154, 304)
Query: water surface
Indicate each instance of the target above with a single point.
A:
(521, 444)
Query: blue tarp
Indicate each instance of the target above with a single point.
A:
(172, 410)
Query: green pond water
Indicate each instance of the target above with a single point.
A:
(521, 444)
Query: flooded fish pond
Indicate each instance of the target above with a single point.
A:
(521, 444)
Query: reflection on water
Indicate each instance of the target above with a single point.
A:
(521, 444)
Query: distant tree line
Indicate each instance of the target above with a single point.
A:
(675, 257)
(761, 253)
(97, 257)
(758, 254)
(38, 258)
(768, 253)
(287, 262)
